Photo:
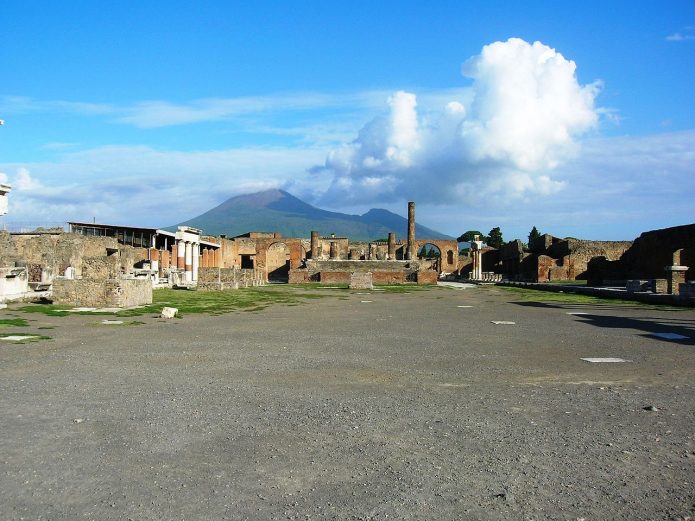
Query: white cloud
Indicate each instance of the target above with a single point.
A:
(140, 185)
(520, 120)
(681, 37)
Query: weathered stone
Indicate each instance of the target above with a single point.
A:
(361, 280)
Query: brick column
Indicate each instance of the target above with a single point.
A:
(180, 255)
(314, 245)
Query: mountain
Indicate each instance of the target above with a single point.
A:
(279, 211)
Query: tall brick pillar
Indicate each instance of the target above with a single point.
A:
(392, 246)
(180, 255)
(314, 245)
(334, 250)
(675, 274)
(410, 252)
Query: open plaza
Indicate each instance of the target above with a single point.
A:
(305, 402)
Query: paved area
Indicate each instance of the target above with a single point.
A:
(359, 405)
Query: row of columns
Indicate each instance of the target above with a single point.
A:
(187, 259)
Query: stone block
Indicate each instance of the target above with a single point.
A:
(360, 280)
(169, 312)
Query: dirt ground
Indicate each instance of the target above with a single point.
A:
(359, 405)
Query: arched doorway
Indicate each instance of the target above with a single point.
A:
(278, 261)
(430, 253)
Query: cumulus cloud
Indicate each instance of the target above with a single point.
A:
(521, 119)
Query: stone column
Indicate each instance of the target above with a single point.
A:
(477, 252)
(392, 246)
(314, 245)
(188, 265)
(180, 255)
(334, 250)
(410, 252)
(196, 260)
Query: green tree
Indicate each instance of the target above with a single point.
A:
(533, 237)
(468, 236)
(494, 238)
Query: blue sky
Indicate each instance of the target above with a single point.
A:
(573, 117)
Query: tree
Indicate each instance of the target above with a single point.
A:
(494, 238)
(533, 237)
(468, 236)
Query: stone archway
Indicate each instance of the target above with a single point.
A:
(278, 261)
(447, 250)
(430, 253)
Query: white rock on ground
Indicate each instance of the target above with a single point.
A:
(169, 312)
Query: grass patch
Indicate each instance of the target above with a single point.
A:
(220, 302)
(13, 322)
(52, 310)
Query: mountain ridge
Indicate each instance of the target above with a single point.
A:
(276, 210)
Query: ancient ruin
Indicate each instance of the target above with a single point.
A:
(107, 265)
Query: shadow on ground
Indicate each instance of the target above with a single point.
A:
(648, 325)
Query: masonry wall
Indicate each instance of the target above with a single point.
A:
(55, 252)
(102, 293)
(653, 250)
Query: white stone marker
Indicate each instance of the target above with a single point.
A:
(17, 338)
(503, 322)
(605, 360)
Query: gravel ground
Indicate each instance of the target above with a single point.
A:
(365, 406)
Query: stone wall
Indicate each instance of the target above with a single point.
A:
(228, 278)
(554, 259)
(102, 293)
(54, 252)
(653, 250)
(649, 254)
(101, 267)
